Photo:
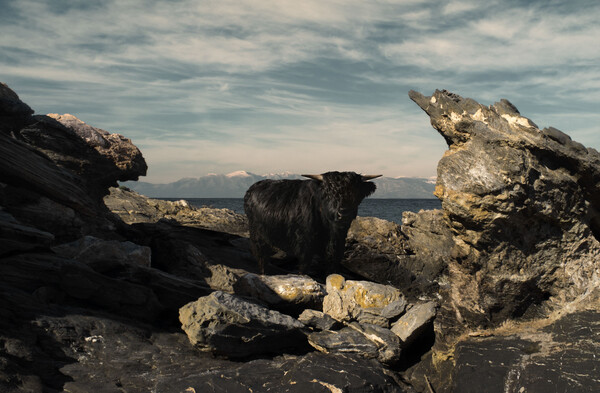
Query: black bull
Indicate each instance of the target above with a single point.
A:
(305, 217)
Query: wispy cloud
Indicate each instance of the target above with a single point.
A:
(273, 85)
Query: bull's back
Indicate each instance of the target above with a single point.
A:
(281, 211)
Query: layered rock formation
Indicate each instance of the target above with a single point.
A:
(523, 209)
(498, 291)
(90, 303)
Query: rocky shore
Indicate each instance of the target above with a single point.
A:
(105, 290)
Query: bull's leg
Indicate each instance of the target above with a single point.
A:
(304, 263)
(261, 251)
(335, 252)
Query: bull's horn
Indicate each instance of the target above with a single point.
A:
(369, 177)
(315, 177)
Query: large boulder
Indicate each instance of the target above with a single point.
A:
(362, 301)
(53, 175)
(523, 205)
(523, 208)
(231, 326)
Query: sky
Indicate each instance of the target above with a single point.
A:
(271, 86)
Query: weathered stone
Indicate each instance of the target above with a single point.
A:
(231, 326)
(367, 340)
(29, 272)
(223, 278)
(411, 324)
(346, 340)
(102, 254)
(388, 343)
(523, 207)
(319, 320)
(290, 292)
(361, 301)
(14, 113)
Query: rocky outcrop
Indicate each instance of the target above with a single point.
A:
(133, 208)
(411, 256)
(523, 205)
(523, 209)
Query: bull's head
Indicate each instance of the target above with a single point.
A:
(342, 192)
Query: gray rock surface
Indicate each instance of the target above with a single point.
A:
(103, 254)
(224, 324)
(319, 320)
(366, 340)
(410, 325)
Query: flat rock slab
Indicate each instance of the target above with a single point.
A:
(235, 327)
(314, 372)
(562, 357)
(369, 341)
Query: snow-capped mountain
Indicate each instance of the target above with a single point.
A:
(235, 184)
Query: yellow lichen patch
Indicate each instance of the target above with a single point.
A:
(336, 281)
(367, 298)
(288, 292)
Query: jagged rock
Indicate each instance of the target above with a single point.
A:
(227, 325)
(102, 255)
(132, 208)
(362, 301)
(14, 113)
(118, 149)
(524, 208)
(413, 323)
(223, 278)
(319, 320)
(558, 353)
(289, 292)
(52, 179)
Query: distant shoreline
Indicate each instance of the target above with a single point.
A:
(389, 209)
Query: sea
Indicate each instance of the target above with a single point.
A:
(386, 209)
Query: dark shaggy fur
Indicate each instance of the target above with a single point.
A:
(304, 217)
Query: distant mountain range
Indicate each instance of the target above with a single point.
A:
(235, 184)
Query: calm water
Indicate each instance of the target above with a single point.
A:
(387, 209)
